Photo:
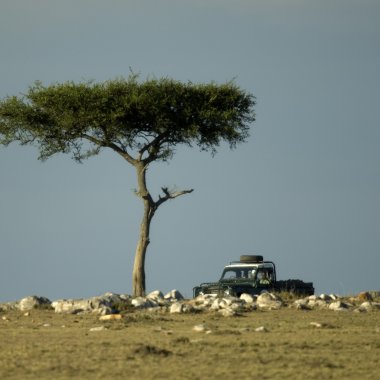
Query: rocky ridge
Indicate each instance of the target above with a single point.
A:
(174, 302)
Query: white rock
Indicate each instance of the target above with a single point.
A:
(188, 308)
(301, 302)
(100, 328)
(176, 307)
(368, 306)
(316, 324)
(97, 305)
(325, 297)
(228, 312)
(318, 303)
(29, 303)
(144, 303)
(199, 328)
(338, 306)
(216, 304)
(174, 295)
(236, 306)
(302, 306)
(269, 301)
(202, 301)
(261, 329)
(321, 304)
(247, 298)
(110, 317)
(155, 295)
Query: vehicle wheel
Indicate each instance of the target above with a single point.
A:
(251, 258)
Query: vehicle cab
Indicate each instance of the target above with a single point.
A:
(260, 273)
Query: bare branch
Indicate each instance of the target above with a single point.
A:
(170, 195)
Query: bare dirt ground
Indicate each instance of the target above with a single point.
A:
(296, 344)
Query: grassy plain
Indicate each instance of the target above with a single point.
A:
(45, 345)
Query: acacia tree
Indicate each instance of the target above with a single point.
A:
(143, 122)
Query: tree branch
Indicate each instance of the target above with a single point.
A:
(155, 144)
(170, 195)
(113, 146)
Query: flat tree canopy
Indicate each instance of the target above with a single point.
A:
(141, 121)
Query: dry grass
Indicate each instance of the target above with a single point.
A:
(45, 345)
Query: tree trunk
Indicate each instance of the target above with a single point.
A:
(138, 275)
(142, 245)
(150, 208)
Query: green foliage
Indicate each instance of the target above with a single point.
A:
(139, 120)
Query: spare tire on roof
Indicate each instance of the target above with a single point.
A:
(251, 258)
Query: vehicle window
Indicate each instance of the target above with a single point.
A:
(265, 276)
(238, 273)
(229, 274)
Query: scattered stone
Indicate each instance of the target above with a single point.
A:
(338, 306)
(216, 304)
(110, 317)
(364, 307)
(261, 329)
(173, 302)
(188, 308)
(100, 328)
(97, 305)
(321, 304)
(204, 300)
(31, 302)
(316, 324)
(46, 325)
(155, 295)
(247, 298)
(5, 318)
(301, 304)
(143, 303)
(269, 301)
(199, 328)
(229, 312)
(231, 303)
(174, 295)
(368, 306)
(176, 307)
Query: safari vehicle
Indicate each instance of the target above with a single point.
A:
(252, 275)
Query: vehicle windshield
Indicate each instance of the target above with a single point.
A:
(238, 273)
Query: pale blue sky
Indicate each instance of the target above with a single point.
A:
(304, 191)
